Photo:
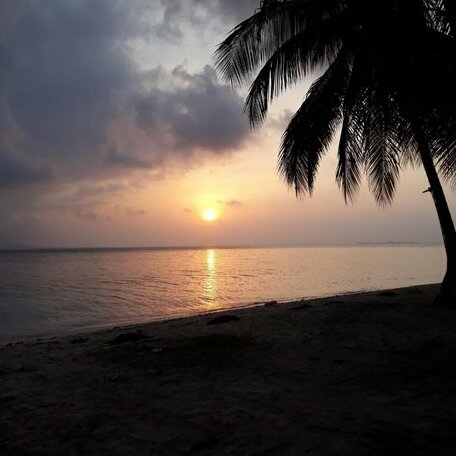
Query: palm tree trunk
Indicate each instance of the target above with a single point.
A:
(447, 294)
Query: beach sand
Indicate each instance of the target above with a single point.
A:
(362, 374)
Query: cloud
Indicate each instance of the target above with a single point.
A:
(64, 67)
(127, 160)
(27, 220)
(16, 170)
(233, 203)
(74, 104)
(198, 113)
(281, 120)
(236, 9)
(134, 212)
(200, 13)
(15, 166)
(91, 190)
(91, 216)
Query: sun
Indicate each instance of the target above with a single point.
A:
(209, 215)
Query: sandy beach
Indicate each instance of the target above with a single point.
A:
(361, 374)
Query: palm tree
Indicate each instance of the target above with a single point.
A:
(387, 91)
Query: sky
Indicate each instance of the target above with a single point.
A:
(116, 132)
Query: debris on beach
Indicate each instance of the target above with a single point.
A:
(79, 340)
(223, 319)
(129, 337)
(301, 307)
(388, 294)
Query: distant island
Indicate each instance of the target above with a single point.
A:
(390, 243)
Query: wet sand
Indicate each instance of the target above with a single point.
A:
(362, 374)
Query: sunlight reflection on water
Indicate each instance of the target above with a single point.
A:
(210, 280)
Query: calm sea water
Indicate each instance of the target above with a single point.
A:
(45, 292)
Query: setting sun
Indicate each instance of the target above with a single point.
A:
(209, 215)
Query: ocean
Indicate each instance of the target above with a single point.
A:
(46, 292)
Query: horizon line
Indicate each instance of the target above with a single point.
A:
(208, 247)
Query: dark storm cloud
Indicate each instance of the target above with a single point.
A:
(128, 159)
(16, 170)
(87, 191)
(68, 80)
(200, 114)
(64, 66)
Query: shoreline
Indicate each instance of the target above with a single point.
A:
(365, 374)
(73, 332)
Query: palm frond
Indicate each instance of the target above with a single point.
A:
(443, 147)
(435, 13)
(251, 42)
(295, 59)
(348, 173)
(407, 144)
(382, 149)
(414, 61)
(312, 128)
(254, 40)
(449, 7)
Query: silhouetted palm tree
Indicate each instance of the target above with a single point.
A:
(388, 90)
